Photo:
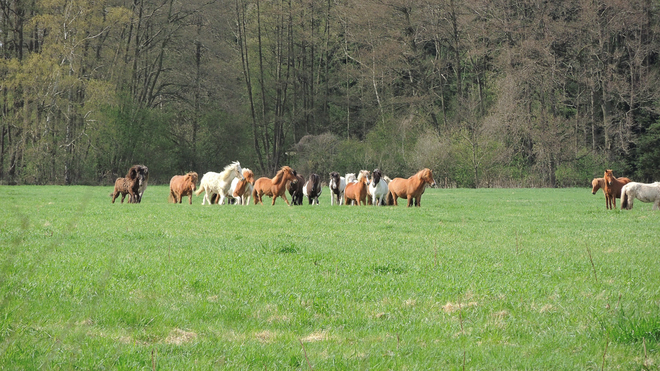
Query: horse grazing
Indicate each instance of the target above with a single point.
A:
(641, 191)
(411, 188)
(357, 192)
(219, 183)
(312, 189)
(129, 185)
(337, 185)
(296, 189)
(242, 189)
(182, 185)
(275, 187)
(377, 188)
(612, 188)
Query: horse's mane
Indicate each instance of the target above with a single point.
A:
(224, 175)
(420, 173)
(278, 177)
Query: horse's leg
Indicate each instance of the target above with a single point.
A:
(285, 199)
(417, 201)
(410, 200)
(123, 196)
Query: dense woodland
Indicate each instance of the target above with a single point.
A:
(486, 93)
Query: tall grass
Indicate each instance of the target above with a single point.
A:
(474, 279)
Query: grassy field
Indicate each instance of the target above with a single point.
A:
(533, 279)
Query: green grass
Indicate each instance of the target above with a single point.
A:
(474, 279)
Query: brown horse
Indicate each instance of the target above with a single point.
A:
(357, 192)
(143, 178)
(275, 187)
(411, 188)
(612, 188)
(128, 185)
(296, 189)
(243, 188)
(182, 185)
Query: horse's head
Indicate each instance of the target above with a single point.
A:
(314, 180)
(238, 172)
(375, 177)
(334, 180)
(608, 176)
(595, 185)
(248, 175)
(193, 177)
(363, 174)
(427, 176)
(289, 174)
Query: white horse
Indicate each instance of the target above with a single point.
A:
(378, 188)
(219, 183)
(337, 185)
(641, 191)
(350, 178)
(241, 190)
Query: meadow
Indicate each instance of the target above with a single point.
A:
(475, 279)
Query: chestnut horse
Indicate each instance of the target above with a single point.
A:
(411, 188)
(182, 185)
(296, 189)
(612, 188)
(128, 185)
(275, 187)
(356, 193)
(241, 190)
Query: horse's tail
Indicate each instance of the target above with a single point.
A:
(200, 190)
(255, 195)
(390, 199)
(624, 198)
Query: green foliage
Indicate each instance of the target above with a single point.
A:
(648, 154)
(581, 171)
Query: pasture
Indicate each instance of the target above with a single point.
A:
(474, 279)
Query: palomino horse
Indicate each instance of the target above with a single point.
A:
(612, 188)
(377, 188)
(129, 185)
(182, 185)
(275, 187)
(312, 189)
(219, 183)
(356, 192)
(641, 191)
(296, 189)
(411, 188)
(337, 185)
(241, 190)
(596, 184)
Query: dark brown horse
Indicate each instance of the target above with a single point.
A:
(275, 187)
(296, 189)
(129, 185)
(313, 189)
(183, 185)
(411, 188)
(612, 188)
(143, 178)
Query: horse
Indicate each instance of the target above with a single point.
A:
(612, 188)
(357, 192)
(377, 188)
(129, 185)
(411, 188)
(337, 185)
(312, 189)
(219, 183)
(350, 178)
(296, 189)
(182, 185)
(596, 184)
(275, 187)
(241, 190)
(641, 191)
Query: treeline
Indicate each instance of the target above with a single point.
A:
(483, 92)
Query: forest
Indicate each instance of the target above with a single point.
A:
(486, 93)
